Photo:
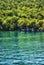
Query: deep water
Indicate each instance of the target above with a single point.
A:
(21, 48)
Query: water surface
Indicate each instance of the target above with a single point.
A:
(21, 48)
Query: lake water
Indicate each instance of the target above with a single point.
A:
(21, 48)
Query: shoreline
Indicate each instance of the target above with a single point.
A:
(24, 30)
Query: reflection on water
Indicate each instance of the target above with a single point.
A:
(21, 48)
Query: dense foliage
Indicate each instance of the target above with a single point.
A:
(22, 14)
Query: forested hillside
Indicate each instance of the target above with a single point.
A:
(22, 14)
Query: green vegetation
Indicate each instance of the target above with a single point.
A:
(22, 14)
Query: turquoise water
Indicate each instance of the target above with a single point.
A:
(21, 48)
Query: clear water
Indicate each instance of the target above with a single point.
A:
(21, 48)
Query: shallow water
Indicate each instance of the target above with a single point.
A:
(21, 48)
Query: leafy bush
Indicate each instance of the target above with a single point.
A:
(21, 14)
